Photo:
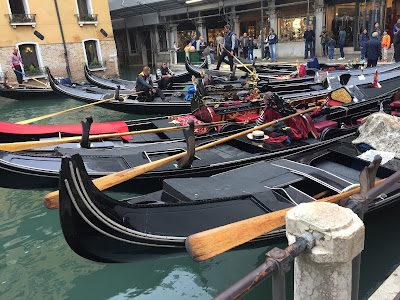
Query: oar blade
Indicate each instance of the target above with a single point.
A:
(207, 244)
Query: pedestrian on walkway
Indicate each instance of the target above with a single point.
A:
(396, 43)
(373, 50)
(236, 48)
(244, 42)
(394, 27)
(220, 43)
(272, 41)
(331, 48)
(363, 41)
(251, 48)
(309, 37)
(342, 42)
(378, 30)
(229, 43)
(212, 50)
(385, 44)
(324, 40)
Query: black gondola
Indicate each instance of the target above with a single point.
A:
(102, 229)
(113, 83)
(22, 92)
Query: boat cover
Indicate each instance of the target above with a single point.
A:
(96, 128)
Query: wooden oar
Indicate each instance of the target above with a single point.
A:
(242, 64)
(71, 109)
(32, 78)
(27, 85)
(19, 146)
(102, 183)
(209, 243)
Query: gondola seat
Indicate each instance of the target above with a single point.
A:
(320, 126)
(359, 121)
(250, 118)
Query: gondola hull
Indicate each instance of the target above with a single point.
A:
(29, 93)
(102, 229)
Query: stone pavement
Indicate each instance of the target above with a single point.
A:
(389, 289)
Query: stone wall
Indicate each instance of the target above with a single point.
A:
(53, 57)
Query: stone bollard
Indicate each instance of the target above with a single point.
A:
(325, 272)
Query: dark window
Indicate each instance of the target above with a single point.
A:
(17, 7)
(83, 7)
(91, 52)
(132, 40)
(29, 56)
(162, 35)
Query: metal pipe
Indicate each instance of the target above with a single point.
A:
(63, 40)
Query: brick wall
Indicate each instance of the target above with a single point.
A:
(53, 57)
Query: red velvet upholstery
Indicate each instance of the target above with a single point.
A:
(359, 121)
(395, 104)
(251, 118)
(325, 124)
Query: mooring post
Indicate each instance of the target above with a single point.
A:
(325, 272)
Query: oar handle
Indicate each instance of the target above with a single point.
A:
(207, 244)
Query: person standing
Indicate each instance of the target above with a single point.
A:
(272, 40)
(385, 44)
(324, 40)
(363, 41)
(378, 30)
(236, 47)
(309, 37)
(212, 50)
(144, 84)
(396, 43)
(16, 64)
(373, 50)
(394, 27)
(244, 41)
(220, 43)
(176, 48)
(331, 48)
(229, 43)
(342, 42)
(201, 45)
(251, 48)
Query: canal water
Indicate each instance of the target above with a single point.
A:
(37, 263)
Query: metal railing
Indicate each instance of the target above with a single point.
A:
(277, 263)
(22, 18)
(87, 18)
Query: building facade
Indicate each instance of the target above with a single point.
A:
(145, 33)
(62, 35)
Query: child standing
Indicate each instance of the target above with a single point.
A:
(385, 44)
(331, 48)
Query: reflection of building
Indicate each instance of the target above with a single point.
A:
(33, 26)
(144, 33)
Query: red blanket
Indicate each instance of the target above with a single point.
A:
(96, 128)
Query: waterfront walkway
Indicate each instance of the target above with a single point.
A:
(389, 289)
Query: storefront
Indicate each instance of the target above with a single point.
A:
(291, 29)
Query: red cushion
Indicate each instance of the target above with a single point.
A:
(395, 113)
(183, 120)
(251, 118)
(395, 103)
(325, 124)
(359, 121)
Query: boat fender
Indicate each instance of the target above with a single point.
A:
(85, 143)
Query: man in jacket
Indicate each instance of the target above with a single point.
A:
(396, 43)
(244, 41)
(144, 84)
(309, 37)
(373, 50)
(229, 44)
(165, 77)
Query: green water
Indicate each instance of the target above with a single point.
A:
(36, 262)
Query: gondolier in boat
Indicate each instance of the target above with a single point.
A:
(16, 64)
(229, 43)
(165, 76)
(145, 84)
